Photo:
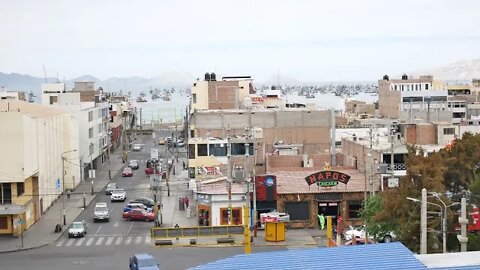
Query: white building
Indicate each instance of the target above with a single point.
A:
(89, 122)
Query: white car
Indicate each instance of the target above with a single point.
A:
(101, 212)
(359, 232)
(118, 195)
(136, 147)
(77, 229)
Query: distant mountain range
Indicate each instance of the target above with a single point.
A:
(458, 71)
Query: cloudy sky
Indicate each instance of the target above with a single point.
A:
(315, 40)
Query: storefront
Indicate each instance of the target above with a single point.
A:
(305, 195)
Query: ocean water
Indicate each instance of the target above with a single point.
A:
(168, 111)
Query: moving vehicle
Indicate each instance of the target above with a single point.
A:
(101, 212)
(118, 195)
(161, 141)
(133, 164)
(127, 171)
(131, 206)
(110, 187)
(148, 202)
(77, 229)
(138, 214)
(358, 241)
(136, 147)
(143, 261)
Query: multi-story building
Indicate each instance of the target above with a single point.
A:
(412, 100)
(18, 95)
(229, 93)
(90, 118)
(35, 139)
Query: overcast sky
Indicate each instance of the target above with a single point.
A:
(308, 40)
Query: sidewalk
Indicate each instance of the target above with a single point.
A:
(42, 232)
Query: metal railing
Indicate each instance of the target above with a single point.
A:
(199, 231)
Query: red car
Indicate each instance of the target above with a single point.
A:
(127, 171)
(139, 214)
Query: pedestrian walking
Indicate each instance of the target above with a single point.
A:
(184, 165)
(68, 194)
(321, 220)
(186, 201)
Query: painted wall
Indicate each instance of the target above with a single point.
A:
(221, 201)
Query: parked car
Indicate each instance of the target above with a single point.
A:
(131, 206)
(118, 195)
(127, 171)
(101, 212)
(358, 241)
(136, 147)
(138, 214)
(359, 232)
(161, 141)
(110, 187)
(77, 229)
(148, 202)
(143, 261)
(133, 164)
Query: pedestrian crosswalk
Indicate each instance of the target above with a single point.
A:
(116, 240)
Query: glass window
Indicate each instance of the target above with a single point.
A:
(191, 151)
(218, 150)
(20, 189)
(90, 132)
(202, 150)
(3, 223)
(426, 86)
(90, 116)
(448, 131)
(354, 208)
(5, 193)
(236, 218)
(194, 98)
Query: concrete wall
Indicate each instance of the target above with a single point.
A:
(201, 92)
(221, 201)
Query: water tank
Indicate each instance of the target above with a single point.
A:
(404, 77)
(385, 77)
(207, 76)
(273, 87)
(213, 77)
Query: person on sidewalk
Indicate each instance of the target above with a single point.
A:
(68, 194)
(321, 220)
(186, 201)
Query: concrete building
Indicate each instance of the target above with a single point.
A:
(412, 100)
(35, 138)
(229, 93)
(18, 95)
(90, 121)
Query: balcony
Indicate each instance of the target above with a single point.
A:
(397, 167)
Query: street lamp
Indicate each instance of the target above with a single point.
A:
(63, 184)
(444, 222)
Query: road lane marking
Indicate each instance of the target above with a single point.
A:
(99, 241)
(116, 224)
(89, 241)
(148, 240)
(129, 229)
(109, 241)
(80, 241)
(138, 240)
(60, 243)
(69, 242)
(129, 240)
(119, 241)
(99, 228)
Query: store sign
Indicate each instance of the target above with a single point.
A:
(327, 178)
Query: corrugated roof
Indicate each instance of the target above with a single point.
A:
(31, 109)
(292, 182)
(451, 261)
(368, 257)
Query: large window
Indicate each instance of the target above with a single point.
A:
(191, 151)
(90, 132)
(20, 189)
(218, 150)
(194, 98)
(298, 210)
(448, 131)
(237, 216)
(354, 209)
(90, 116)
(239, 149)
(5, 193)
(202, 150)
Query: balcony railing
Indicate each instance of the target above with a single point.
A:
(397, 167)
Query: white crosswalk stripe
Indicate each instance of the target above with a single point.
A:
(69, 242)
(129, 240)
(79, 242)
(109, 241)
(60, 243)
(148, 240)
(89, 241)
(138, 240)
(99, 241)
(119, 241)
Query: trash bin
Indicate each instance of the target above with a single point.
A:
(181, 205)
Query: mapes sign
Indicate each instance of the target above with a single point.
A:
(327, 178)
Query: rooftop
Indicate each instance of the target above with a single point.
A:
(31, 109)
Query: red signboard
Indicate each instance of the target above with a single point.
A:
(266, 187)
(327, 176)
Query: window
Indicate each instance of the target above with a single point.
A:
(191, 151)
(239, 149)
(90, 132)
(90, 148)
(395, 87)
(3, 223)
(194, 98)
(237, 216)
(426, 86)
(218, 150)
(354, 208)
(5, 193)
(448, 131)
(90, 116)
(298, 210)
(202, 150)
(100, 128)
(20, 189)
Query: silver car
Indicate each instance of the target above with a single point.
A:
(77, 229)
(118, 195)
(110, 188)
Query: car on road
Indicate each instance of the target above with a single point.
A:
(77, 229)
(110, 187)
(143, 261)
(134, 164)
(148, 202)
(359, 232)
(161, 141)
(101, 212)
(127, 171)
(118, 195)
(131, 206)
(136, 147)
(138, 214)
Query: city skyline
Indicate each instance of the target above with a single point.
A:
(307, 40)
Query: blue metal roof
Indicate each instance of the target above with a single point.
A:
(361, 257)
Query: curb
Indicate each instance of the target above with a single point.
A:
(23, 249)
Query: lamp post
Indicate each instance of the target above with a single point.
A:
(444, 222)
(63, 185)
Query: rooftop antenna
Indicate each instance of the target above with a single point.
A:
(45, 73)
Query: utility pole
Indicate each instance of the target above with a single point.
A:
(423, 223)
(229, 180)
(462, 238)
(63, 192)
